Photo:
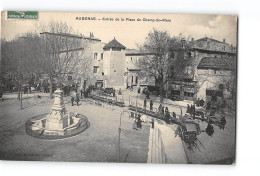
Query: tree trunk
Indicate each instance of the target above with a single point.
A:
(21, 100)
(51, 85)
(19, 90)
(161, 94)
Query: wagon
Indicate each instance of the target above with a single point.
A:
(188, 131)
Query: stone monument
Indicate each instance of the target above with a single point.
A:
(57, 119)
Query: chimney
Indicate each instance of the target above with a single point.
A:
(192, 39)
(224, 40)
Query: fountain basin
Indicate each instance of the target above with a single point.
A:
(76, 124)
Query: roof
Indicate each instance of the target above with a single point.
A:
(222, 63)
(71, 35)
(206, 39)
(114, 44)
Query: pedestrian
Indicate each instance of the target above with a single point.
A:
(114, 92)
(162, 110)
(173, 119)
(173, 114)
(167, 117)
(144, 103)
(222, 122)
(72, 101)
(77, 99)
(193, 111)
(135, 124)
(210, 129)
(81, 93)
(166, 110)
(151, 105)
(188, 108)
(152, 123)
(139, 121)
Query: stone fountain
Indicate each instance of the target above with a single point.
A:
(58, 123)
(58, 119)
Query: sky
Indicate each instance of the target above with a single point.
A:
(130, 33)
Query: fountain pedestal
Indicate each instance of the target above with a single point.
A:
(57, 120)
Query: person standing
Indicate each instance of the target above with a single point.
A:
(167, 117)
(151, 105)
(152, 123)
(144, 103)
(77, 99)
(81, 93)
(166, 110)
(223, 122)
(72, 101)
(163, 111)
(188, 108)
(173, 119)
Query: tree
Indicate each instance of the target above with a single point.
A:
(166, 59)
(16, 62)
(60, 53)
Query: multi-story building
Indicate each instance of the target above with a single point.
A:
(188, 85)
(113, 65)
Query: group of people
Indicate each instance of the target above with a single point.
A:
(138, 122)
(165, 114)
(200, 102)
(151, 104)
(77, 99)
(191, 109)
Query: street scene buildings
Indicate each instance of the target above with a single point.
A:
(70, 96)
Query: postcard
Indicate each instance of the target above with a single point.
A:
(118, 87)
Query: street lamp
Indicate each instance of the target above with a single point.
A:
(119, 132)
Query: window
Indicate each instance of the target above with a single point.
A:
(188, 94)
(136, 80)
(95, 70)
(132, 79)
(101, 56)
(188, 70)
(95, 56)
(215, 71)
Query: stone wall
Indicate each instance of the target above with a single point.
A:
(164, 146)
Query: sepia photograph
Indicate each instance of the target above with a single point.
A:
(118, 87)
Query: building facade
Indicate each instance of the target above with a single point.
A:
(191, 85)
